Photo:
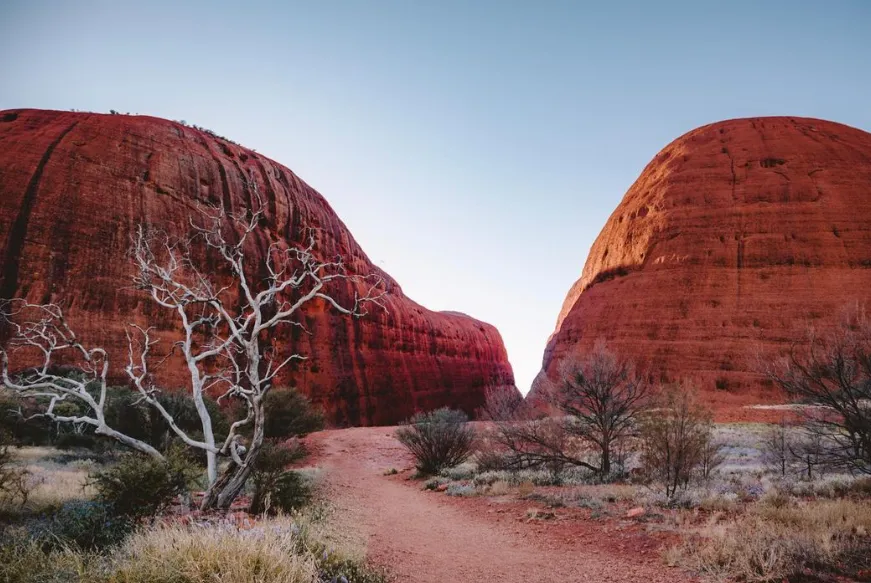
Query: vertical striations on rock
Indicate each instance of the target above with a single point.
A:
(73, 186)
(734, 239)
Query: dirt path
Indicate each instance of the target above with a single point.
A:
(429, 537)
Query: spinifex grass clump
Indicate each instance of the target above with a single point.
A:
(439, 439)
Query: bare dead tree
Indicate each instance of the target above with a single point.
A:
(225, 316)
(712, 454)
(831, 375)
(811, 451)
(500, 404)
(602, 397)
(777, 444)
(675, 435)
(42, 332)
(598, 399)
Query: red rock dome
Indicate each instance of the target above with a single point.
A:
(74, 185)
(734, 239)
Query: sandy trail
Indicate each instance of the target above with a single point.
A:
(430, 537)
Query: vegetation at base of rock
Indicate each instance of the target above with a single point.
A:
(438, 439)
(290, 414)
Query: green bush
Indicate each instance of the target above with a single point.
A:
(274, 487)
(289, 414)
(439, 439)
(140, 486)
(85, 524)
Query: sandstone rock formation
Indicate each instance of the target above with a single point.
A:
(74, 185)
(734, 239)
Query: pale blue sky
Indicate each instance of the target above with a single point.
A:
(475, 149)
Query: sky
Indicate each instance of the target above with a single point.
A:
(474, 149)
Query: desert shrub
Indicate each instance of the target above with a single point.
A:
(84, 524)
(289, 414)
(139, 486)
(490, 477)
(438, 439)
(602, 397)
(434, 482)
(275, 488)
(464, 471)
(712, 454)
(458, 489)
(676, 438)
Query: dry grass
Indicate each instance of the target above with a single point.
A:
(498, 488)
(285, 549)
(268, 553)
(774, 540)
(52, 486)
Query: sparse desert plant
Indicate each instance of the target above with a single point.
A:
(675, 435)
(183, 411)
(811, 452)
(439, 439)
(463, 471)
(492, 460)
(712, 454)
(461, 489)
(776, 447)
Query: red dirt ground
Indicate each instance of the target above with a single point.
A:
(422, 536)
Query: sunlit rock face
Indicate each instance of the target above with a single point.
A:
(73, 186)
(736, 237)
